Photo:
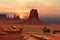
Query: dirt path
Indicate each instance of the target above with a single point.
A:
(43, 37)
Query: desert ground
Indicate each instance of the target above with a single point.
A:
(30, 32)
(36, 30)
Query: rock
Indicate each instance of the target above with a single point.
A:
(33, 18)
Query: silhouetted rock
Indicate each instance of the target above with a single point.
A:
(3, 16)
(33, 18)
(33, 14)
(17, 18)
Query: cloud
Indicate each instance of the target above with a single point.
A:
(45, 6)
(34, 4)
(52, 3)
(31, 3)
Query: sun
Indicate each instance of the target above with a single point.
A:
(21, 17)
(21, 13)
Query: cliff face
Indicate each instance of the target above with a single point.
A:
(33, 14)
(33, 18)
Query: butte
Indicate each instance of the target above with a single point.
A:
(33, 18)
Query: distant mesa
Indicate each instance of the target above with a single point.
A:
(17, 17)
(5, 17)
(33, 18)
(2, 15)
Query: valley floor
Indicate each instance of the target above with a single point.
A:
(43, 37)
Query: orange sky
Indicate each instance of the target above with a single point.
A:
(22, 7)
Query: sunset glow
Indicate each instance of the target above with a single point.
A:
(21, 17)
(21, 13)
(45, 7)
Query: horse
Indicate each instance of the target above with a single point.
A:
(46, 30)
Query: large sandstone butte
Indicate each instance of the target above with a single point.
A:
(33, 18)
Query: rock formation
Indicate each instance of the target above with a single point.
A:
(16, 18)
(33, 14)
(33, 18)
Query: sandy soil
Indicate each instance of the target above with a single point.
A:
(43, 37)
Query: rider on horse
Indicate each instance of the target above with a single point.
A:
(46, 30)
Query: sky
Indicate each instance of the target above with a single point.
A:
(46, 8)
